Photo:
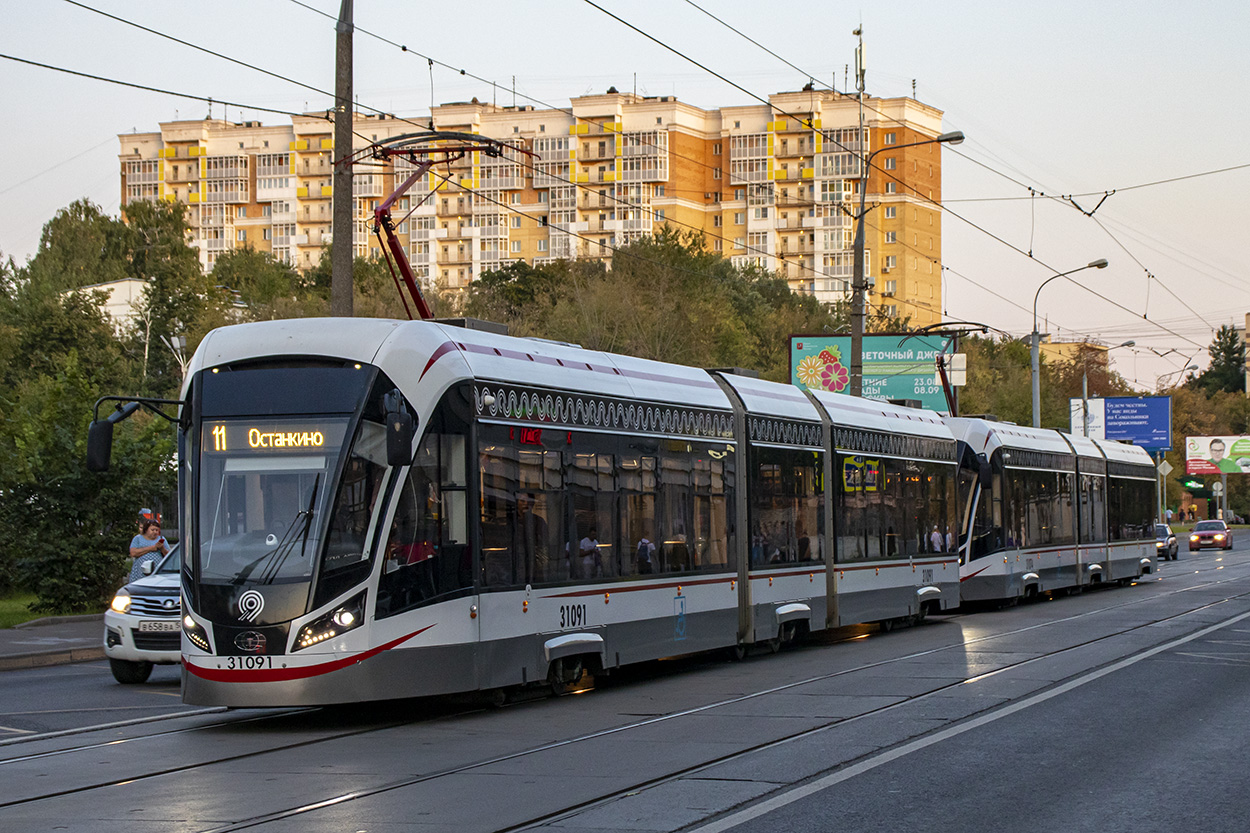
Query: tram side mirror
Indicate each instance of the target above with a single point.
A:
(100, 437)
(983, 472)
(99, 445)
(401, 430)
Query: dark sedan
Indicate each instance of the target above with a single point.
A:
(1210, 534)
(1166, 546)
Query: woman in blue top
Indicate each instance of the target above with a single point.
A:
(148, 545)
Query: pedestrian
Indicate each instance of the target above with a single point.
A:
(935, 539)
(148, 545)
(588, 549)
(1168, 513)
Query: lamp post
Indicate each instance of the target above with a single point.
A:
(1085, 388)
(1101, 263)
(1160, 483)
(858, 285)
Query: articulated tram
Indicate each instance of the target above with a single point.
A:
(1050, 512)
(383, 509)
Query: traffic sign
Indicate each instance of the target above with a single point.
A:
(1217, 488)
(1165, 468)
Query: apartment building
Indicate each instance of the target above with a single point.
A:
(773, 185)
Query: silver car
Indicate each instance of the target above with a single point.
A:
(143, 625)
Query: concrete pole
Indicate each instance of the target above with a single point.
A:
(344, 227)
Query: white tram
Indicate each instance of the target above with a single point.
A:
(1046, 511)
(555, 509)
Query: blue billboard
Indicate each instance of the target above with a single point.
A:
(1144, 421)
(896, 366)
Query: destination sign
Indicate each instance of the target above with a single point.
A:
(272, 436)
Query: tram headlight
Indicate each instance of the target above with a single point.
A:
(342, 619)
(196, 633)
(121, 602)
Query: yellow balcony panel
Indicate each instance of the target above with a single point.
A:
(583, 177)
(170, 197)
(609, 176)
(816, 123)
(582, 129)
(820, 143)
(298, 144)
(327, 190)
(327, 144)
(167, 153)
(572, 153)
(772, 175)
(809, 173)
(196, 150)
(193, 197)
(301, 193)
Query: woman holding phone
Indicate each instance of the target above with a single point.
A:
(148, 545)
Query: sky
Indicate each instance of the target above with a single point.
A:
(1058, 99)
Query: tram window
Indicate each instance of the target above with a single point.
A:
(346, 559)
(636, 484)
(676, 505)
(498, 498)
(424, 560)
(786, 499)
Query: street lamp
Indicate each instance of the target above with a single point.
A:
(1101, 263)
(858, 285)
(1085, 387)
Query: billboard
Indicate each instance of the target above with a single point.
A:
(896, 366)
(1217, 455)
(1144, 421)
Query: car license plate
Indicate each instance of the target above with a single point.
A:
(160, 627)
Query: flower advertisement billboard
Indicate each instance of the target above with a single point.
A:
(896, 366)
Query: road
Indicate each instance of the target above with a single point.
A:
(1116, 709)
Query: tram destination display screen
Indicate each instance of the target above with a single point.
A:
(272, 436)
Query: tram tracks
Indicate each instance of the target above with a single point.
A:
(488, 761)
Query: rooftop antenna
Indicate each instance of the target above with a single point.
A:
(913, 88)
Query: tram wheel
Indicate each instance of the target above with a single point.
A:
(737, 653)
(565, 675)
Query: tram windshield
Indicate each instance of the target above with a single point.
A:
(265, 486)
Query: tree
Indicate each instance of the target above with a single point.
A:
(81, 246)
(1228, 363)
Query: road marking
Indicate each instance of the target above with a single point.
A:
(799, 793)
(17, 731)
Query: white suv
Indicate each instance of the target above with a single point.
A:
(143, 625)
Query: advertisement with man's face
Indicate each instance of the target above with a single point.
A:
(1217, 455)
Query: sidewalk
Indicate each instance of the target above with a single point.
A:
(56, 640)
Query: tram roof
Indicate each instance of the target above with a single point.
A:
(985, 436)
(1084, 446)
(350, 339)
(875, 415)
(1124, 453)
(772, 398)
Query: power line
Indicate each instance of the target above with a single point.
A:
(146, 88)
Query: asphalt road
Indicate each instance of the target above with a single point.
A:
(1116, 709)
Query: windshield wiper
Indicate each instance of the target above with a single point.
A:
(278, 554)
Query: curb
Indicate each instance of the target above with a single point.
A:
(59, 620)
(44, 659)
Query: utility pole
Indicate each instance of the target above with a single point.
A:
(343, 228)
(858, 284)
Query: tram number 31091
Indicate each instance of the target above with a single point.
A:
(572, 616)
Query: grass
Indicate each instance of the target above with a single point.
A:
(15, 609)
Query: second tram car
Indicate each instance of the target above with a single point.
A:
(1044, 511)
(555, 509)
